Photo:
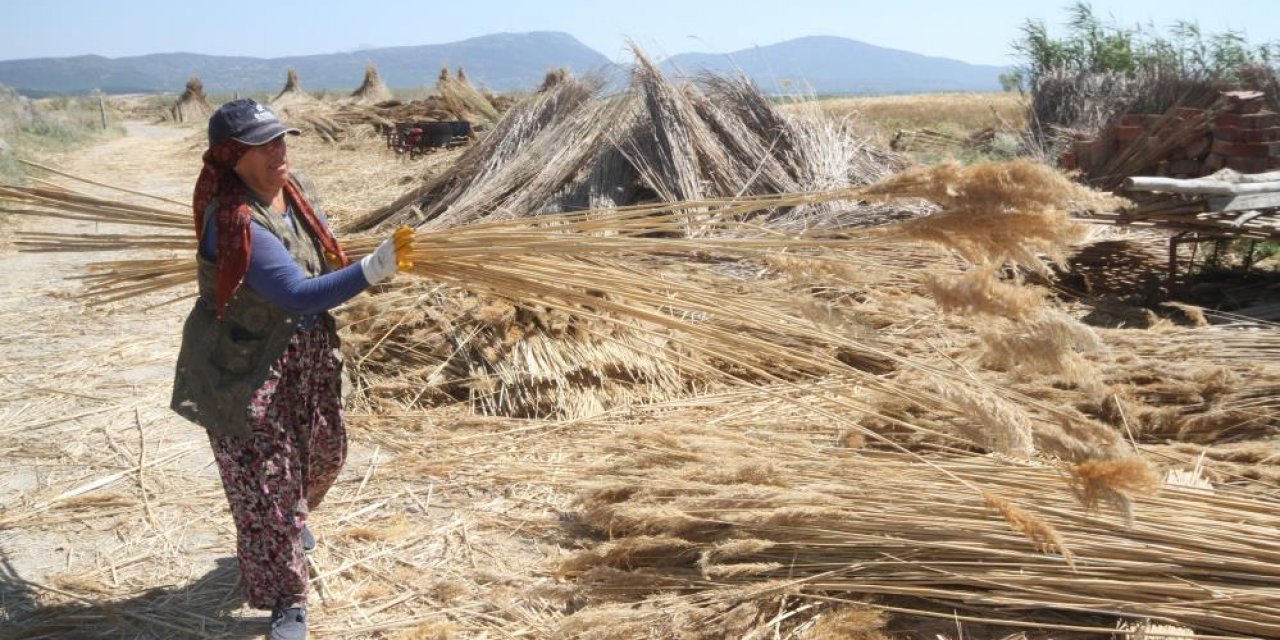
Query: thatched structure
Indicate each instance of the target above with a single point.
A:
(372, 90)
(192, 105)
(292, 95)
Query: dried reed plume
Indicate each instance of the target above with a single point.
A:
(1114, 482)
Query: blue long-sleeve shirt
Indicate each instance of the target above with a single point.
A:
(275, 275)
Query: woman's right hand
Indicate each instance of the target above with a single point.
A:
(393, 254)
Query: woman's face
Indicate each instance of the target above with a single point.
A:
(265, 168)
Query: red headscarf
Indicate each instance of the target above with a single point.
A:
(218, 179)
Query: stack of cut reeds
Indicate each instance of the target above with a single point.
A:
(192, 105)
(372, 89)
(292, 95)
(714, 138)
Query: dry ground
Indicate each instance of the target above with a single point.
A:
(113, 521)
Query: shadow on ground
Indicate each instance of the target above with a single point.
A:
(201, 609)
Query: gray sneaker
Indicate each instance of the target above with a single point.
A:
(308, 540)
(289, 624)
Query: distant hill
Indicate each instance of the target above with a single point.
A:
(832, 65)
(500, 62)
(507, 62)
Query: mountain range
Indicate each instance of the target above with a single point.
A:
(506, 62)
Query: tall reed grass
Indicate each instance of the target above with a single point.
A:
(60, 123)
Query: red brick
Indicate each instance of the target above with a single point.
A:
(1127, 134)
(1198, 147)
(1214, 162)
(1262, 120)
(1249, 165)
(1132, 120)
(1184, 113)
(1271, 134)
(1232, 134)
(1100, 153)
(1227, 134)
(1084, 154)
(1250, 107)
(1067, 161)
(1247, 150)
(1097, 151)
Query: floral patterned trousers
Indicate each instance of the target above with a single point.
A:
(274, 477)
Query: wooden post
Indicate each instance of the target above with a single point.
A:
(102, 111)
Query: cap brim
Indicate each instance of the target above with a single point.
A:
(266, 133)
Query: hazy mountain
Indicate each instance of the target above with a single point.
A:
(501, 62)
(827, 64)
(507, 62)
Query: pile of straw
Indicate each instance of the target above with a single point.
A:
(916, 433)
(426, 347)
(693, 516)
(192, 105)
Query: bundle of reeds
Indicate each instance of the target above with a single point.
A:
(292, 95)
(192, 105)
(372, 90)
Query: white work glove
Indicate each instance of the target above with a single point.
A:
(390, 256)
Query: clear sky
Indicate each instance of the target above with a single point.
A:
(976, 31)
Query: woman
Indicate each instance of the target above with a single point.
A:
(259, 366)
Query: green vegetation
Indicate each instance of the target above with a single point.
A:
(51, 124)
(1091, 45)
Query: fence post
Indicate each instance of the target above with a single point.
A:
(102, 111)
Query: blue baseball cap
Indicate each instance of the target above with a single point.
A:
(246, 121)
